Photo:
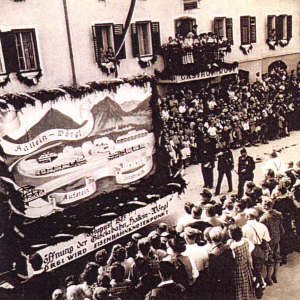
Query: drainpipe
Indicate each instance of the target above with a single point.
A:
(70, 43)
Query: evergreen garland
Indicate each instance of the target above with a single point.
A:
(272, 46)
(5, 81)
(145, 64)
(245, 50)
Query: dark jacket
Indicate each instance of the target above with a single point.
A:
(273, 220)
(225, 160)
(248, 165)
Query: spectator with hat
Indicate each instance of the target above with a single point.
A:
(274, 222)
(206, 198)
(186, 271)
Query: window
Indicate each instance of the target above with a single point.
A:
(248, 30)
(272, 28)
(184, 25)
(223, 27)
(26, 51)
(108, 35)
(190, 4)
(145, 38)
(284, 27)
(20, 50)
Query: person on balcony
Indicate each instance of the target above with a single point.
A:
(188, 57)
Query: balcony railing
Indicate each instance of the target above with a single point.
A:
(184, 58)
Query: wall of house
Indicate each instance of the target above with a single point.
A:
(48, 19)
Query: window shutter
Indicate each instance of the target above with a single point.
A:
(245, 30)
(216, 27)
(118, 38)
(252, 29)
(36, 49)
(229, 30)
(155, 37)
(289, 27)
(279, 27)
(269, 26)
(97, 36)
(135, 40)
(9, 51)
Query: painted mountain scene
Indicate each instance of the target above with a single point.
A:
(109, 116)
(120, 113)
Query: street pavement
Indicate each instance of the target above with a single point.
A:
(288, 286)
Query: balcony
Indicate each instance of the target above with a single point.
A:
(191, 59)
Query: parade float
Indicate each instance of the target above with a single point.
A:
(85, 160)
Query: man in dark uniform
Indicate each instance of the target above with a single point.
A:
(245, 171)
(208, 163)
(225, 166)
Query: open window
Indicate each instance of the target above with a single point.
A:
(145, 38)
(108, 35)
(184, 25)
(20, 51)
(272, 28)
(223, 28)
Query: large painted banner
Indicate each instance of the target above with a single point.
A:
(65, 151)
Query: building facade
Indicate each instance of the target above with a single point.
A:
(65, 39)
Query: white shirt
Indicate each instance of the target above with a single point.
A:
(165, 282)
(262, 232)
(275, 164)
(183, 221)
(198, 254)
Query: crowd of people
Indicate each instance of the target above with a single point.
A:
(235, 113)
(202, 50)
(220, 249)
